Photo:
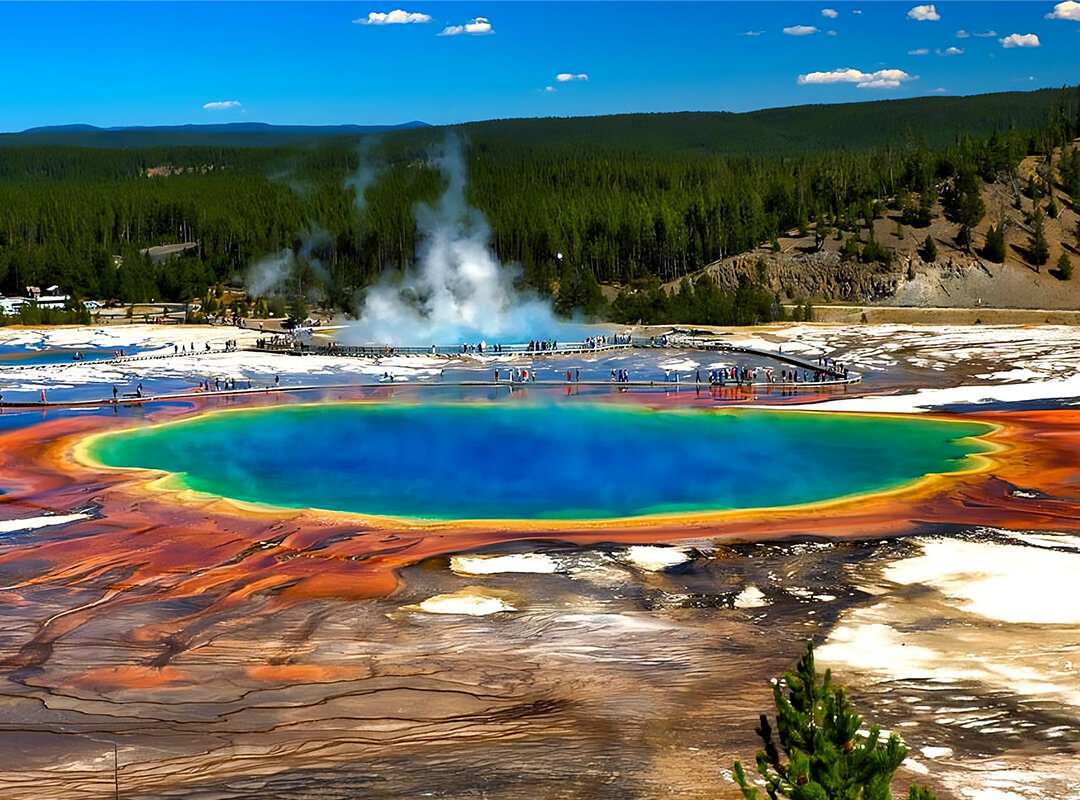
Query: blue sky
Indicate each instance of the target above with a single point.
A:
(311, 63)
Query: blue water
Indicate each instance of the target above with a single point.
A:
(481, 461)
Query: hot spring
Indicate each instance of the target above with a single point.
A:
(566, 461)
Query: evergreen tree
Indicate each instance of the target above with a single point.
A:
(929, 252)
(964, 204)
(1064, 267)
(818, 733)
(995, 245)
(1033, 189)
(821, 231)
(1040, 249)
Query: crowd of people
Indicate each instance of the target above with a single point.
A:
(219, 385)
(515, 375)
(277, 340)
(746, 375)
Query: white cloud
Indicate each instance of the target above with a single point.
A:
(478, 26)
(751, 33)
(1067, 10)
(1020, 40)
(882, 79)
(800, 30)
(830, 33)
(924, 13)
(939, 90)
(221, 105)
(984, 34)
(395, 17)
(831, 13)
(922, 51)
(564, 77)
(550, 89)
(962, 34)
(856, 11)
(950, 51)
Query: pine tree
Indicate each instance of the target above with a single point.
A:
(818, 732)
(1040, 249)
(1064, 267)
(929, 250)
(995, 245)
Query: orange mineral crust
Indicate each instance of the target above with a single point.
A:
(250, 647)
(192, 544)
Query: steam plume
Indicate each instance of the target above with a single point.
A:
(459, 291)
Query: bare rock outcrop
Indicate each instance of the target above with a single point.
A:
(815, 276)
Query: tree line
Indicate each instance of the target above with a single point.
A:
(618, 211)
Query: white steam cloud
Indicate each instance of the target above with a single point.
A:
(364, 176)
(268, 274)
(458, 292)
(221, 105)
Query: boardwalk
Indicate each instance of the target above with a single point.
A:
(749, 389)
(828, 377)
(452, 351)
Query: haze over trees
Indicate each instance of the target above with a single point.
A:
(633, 201)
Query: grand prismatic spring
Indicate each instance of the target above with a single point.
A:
(543, 461)
(335, 585)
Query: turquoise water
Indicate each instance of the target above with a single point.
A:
(539, 461)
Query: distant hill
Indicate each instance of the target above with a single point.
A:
(852, 127)
(234, 134)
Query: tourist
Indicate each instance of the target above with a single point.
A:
(114, 394)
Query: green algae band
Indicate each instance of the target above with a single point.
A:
(540, 462)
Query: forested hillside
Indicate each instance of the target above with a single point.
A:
(625, 199)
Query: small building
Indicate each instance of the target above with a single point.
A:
(53, 300)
